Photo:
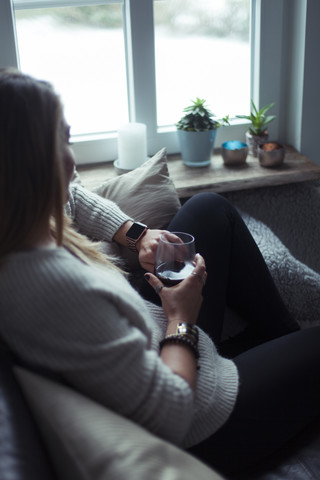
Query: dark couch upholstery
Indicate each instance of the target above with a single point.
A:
(23, 455)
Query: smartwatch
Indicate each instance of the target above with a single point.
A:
(133, 235)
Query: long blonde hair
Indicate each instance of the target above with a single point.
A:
(32, 184)
(85, 249)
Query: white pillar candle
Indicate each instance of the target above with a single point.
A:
(132, 145)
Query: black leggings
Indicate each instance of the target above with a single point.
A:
(278, 364)
(279, 395)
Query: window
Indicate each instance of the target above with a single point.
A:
(202, 50)
(135, 75)
(81, 51)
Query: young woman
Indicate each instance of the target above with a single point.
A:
(69, 311)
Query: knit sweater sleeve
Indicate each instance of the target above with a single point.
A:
(91, 328)
(96, 217)
(97, 339)
(217, 385)
(116, 368)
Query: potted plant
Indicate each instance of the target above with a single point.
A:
(197, 132)
(257, 132)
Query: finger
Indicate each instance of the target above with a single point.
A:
(154, 282)
(199, 260)
(200, 265)
(171, 238)
(200, 269)
(202, 278)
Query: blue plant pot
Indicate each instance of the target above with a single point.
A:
(196, 147)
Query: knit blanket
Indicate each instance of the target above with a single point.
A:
(285, 223)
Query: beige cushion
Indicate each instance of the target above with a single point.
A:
(147, 194)
(89, 442)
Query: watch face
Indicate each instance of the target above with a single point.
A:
(136, 230)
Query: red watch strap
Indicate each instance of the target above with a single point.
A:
(132, 242)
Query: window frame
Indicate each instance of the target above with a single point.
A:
(141, 82)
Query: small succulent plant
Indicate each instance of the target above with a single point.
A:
(199, 119)
(258, 118)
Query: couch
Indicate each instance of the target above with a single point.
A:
(50, 432)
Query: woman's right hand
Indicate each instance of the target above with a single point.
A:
(182, 302)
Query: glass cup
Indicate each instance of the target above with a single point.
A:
(175, 257)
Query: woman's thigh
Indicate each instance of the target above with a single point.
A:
(207, 217)
(237, 273)
(279, 395)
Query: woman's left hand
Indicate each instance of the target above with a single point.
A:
(147, 248)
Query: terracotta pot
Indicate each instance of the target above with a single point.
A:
(254, 141)
(271, 154)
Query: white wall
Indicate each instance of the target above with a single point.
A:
(7, 50)
(311, 86)
(268, 59)
(300, 76)
(293, 53)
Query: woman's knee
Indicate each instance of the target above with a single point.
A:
(207, 215)
(208, 199)
(211, 208)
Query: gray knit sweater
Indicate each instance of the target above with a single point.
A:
(90, 326)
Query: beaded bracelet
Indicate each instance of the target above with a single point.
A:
(184, 335)
(183, 340)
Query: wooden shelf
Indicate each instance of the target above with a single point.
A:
(218, 178)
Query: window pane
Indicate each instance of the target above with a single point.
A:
(202, 50)
(81, 51)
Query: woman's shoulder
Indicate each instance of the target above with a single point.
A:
(55, 277)
(62, 266)
(90, 283)
(47, 266)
